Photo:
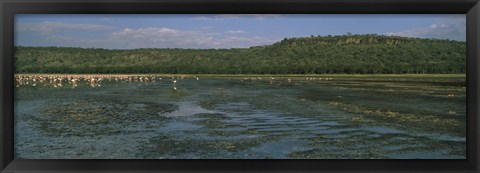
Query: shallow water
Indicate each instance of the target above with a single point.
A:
(237, 118)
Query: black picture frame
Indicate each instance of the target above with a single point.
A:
(8, 9)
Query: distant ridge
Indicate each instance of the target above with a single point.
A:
(351, 54)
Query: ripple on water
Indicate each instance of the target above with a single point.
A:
(186, 109)
(279, 149)
(384, 130)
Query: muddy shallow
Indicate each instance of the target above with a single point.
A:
(230, 118)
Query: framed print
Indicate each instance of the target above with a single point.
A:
(192, 86)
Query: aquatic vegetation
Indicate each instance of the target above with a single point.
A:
(259, 116)
(364, 144)
(426, 122)
(96, 118)
(211, 121)
(174, 147)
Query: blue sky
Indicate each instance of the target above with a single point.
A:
(220, 30)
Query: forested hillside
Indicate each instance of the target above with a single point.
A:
(353, 54)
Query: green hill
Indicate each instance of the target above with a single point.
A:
(353, 54)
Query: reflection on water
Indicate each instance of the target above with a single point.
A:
(187, 117)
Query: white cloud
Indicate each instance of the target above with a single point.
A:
(206, 18)
(453, 28)
(55, 27)
(243, 42)
(254, 16)
(160, 37)
(236, 32)
(204, 28)
(224, 16)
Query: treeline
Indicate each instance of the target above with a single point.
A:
(352, 54)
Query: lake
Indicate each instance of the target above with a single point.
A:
(240, 117)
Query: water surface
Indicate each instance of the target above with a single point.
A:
(242, 118)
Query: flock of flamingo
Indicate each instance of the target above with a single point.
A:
(90, 80)
(73, 81)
